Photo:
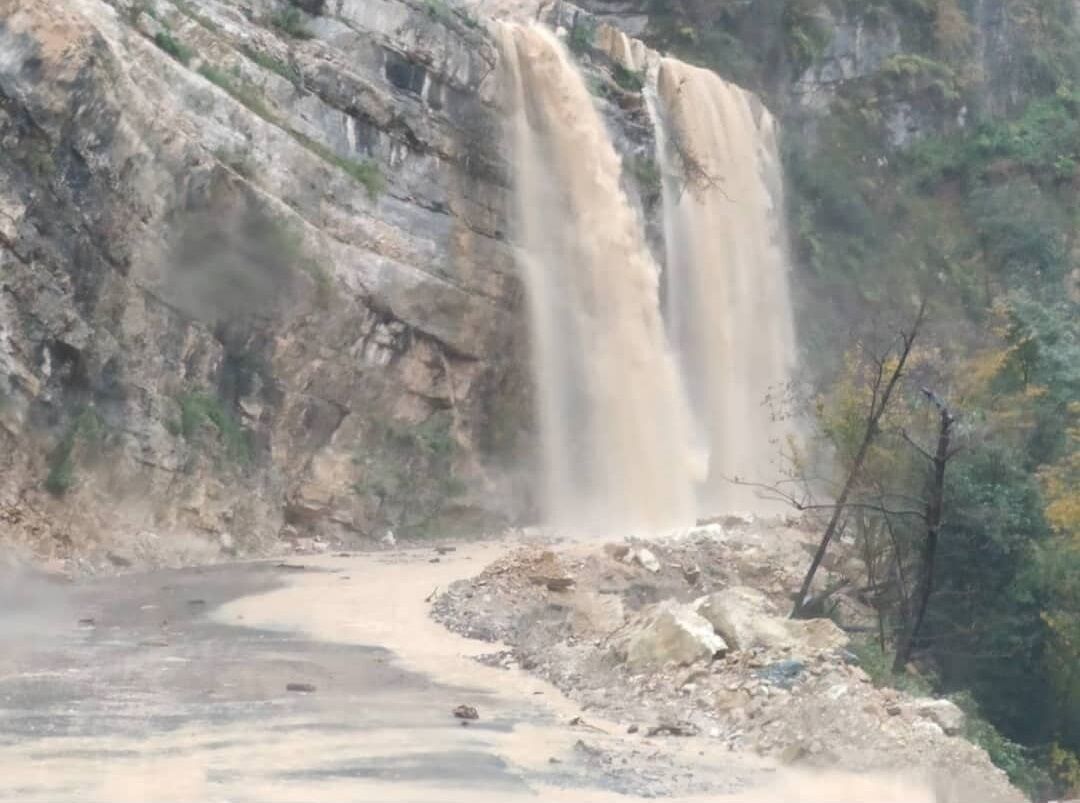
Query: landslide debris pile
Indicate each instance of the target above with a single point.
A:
(688, 636)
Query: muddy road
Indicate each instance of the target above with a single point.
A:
(313, 681)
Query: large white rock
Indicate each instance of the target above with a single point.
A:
(746, 619)
(944, 714)
(671, 633)
(647, 559)
(592, 614)
(815, 635)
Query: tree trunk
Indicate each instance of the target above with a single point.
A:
(935, 504)
(879, 403)
(834, 521)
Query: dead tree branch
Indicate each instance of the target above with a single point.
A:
(882, 392)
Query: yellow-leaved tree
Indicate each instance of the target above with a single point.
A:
(1061, 569)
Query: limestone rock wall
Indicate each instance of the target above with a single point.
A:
(803, 56)
(254, 276)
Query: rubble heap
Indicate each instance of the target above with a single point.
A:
(689, 637)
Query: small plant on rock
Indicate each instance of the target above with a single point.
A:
(191, 12)
(292, 22)
(290, 72)
(178, 50)
(582, 35)
(204, 413)
(137, 9)
(366, 172)
(239, 161)
(630, 80)
(85, 429)
(240, 90)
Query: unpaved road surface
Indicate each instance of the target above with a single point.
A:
(173, 686)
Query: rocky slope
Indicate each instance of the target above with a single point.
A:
(688, 637)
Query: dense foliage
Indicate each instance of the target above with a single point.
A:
(949, 172)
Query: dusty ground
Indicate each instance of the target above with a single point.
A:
(172, 686)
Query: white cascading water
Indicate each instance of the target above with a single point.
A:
(615, 426)
(727, 300)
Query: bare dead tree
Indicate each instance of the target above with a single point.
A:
(886, 378)
(935, 505)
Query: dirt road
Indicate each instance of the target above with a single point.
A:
(173, 686)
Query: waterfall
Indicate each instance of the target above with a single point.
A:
(727, 300)
(625, 392)
(614, 423)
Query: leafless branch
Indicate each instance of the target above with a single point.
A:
(778, 495)
(916, 446)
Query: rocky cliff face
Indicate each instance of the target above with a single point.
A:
(925, 67)
(253, 273)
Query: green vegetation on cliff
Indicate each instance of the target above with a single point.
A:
(407, 472)
(205, 421)
(292, 22)
(175, 48)
(82, 434)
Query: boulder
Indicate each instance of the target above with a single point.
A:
(670, 633)
(927, 729)
(814, 636)
(744, 618)
(944, 714)
(616, 551)
(647, 560)
(592, 614)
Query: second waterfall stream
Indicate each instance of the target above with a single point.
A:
(645, 412)
(728, 303)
